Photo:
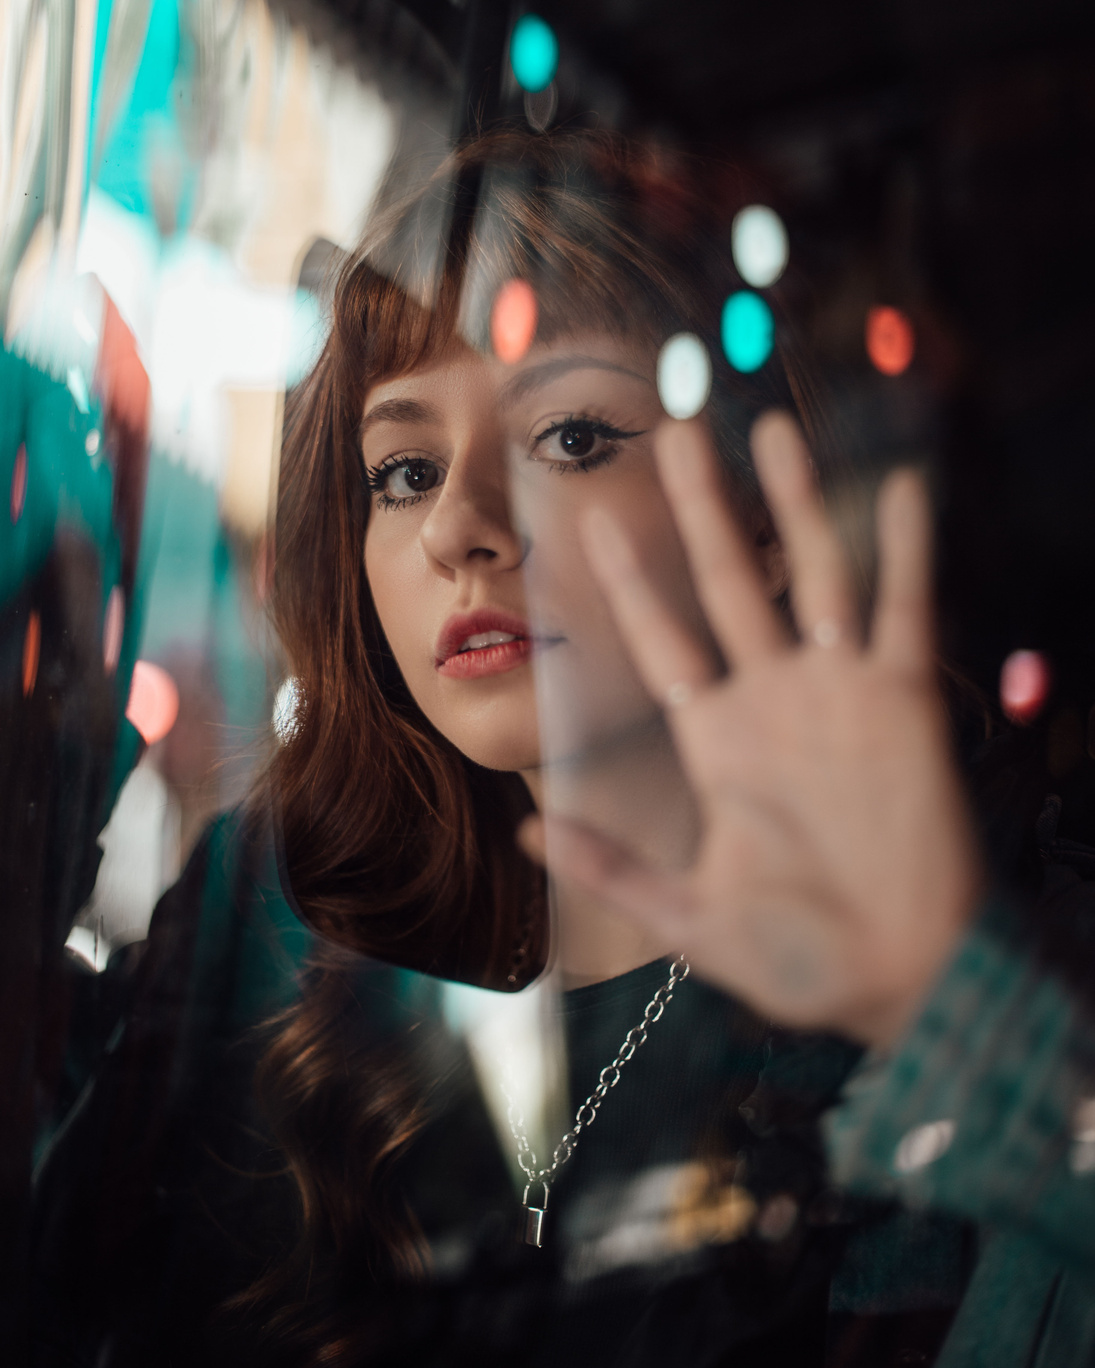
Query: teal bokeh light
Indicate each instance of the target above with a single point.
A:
(533, 53)
(748, 330)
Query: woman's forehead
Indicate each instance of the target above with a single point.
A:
(458, 365)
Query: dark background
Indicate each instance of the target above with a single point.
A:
(936, 155)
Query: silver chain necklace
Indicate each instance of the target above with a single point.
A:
(587, 1112)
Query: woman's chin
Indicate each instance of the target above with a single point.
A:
(512, 754)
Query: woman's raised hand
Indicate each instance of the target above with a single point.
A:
(837, 865)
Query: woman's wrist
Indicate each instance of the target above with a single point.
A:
(886, 1019)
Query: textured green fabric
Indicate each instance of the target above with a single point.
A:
(1004, 1054)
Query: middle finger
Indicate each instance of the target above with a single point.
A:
(821, 590)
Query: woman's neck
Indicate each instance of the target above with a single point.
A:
(635, 793)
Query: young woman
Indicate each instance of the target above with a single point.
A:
(470, 647)
(522, 606)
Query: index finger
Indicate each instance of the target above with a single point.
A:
(728, 579)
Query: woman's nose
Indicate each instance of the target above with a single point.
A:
(470, 524)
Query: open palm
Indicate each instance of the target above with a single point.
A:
(836, 867)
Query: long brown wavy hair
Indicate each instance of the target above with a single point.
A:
(392, 844)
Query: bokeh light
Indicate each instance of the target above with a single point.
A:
(684, 376)
(758, 241)
(513, 321)
(748, 331)
(32, 646)
(1024, 685)
(19, 482)
(533, 52)
(113, 627)
(153, 701)
(890, 339)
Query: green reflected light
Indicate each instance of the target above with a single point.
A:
(533, 52)
(748, 331)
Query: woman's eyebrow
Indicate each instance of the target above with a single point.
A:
(398, 411)
(547, 371)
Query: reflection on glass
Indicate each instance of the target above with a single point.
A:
(575, 945)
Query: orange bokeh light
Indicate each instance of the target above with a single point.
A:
(32, 647)
(153, 701)
(513, 321)
(890, 339)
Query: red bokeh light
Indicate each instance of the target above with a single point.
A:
(513, 321)
(890, 340)
(1024, 685)
(153, 701)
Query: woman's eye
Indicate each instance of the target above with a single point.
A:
(579, 443)
(576, 441)
(414, 477)
(407, 479)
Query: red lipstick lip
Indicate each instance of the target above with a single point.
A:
(463, 625)
(451, 661)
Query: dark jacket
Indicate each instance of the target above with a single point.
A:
(163, 1197)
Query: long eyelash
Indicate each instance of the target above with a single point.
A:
(386, 501)
(376, 475)
(593, 425)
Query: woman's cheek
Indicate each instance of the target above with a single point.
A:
(588, 689)
(400, 597)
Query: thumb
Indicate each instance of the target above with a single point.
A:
(576, 853)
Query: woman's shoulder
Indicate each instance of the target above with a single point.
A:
(224, 938)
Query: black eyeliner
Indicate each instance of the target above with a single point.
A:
(594, 425)
(596, 428)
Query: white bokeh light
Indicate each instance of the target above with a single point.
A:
(758, 241)
(684, 376)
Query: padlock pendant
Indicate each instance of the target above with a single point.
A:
(534, 1218)
(534, 1226)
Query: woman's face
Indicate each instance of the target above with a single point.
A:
(479, 473)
